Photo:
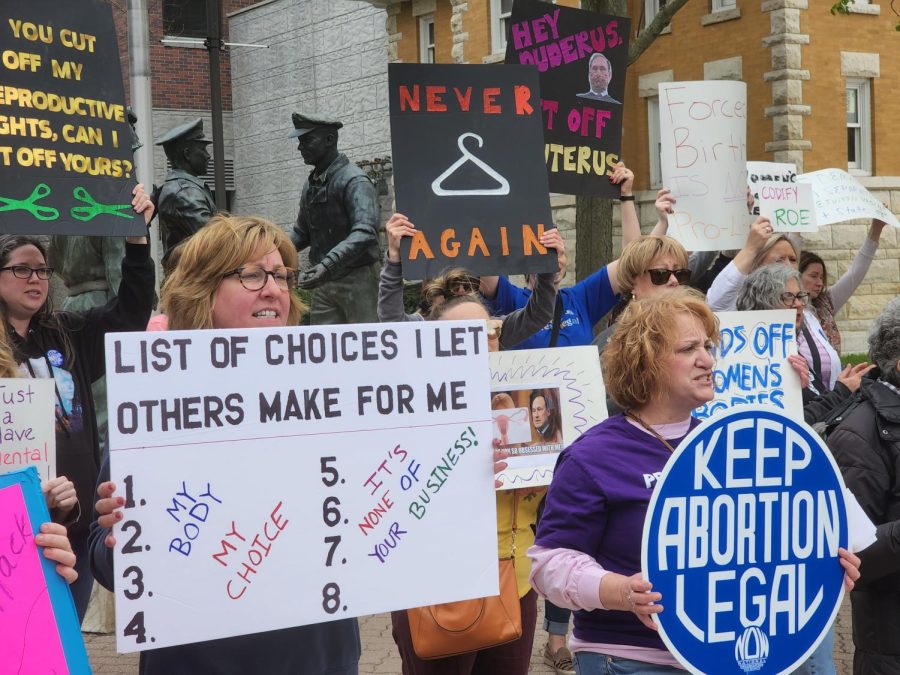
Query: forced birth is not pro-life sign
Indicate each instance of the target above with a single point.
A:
(741, 539)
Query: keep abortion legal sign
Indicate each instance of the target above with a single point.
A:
(741, 539)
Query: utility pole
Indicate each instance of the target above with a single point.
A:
(214, 46)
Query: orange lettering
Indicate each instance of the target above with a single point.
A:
(504, 241)
(420, 245)
(490, 105)
(523, 96)
(477, 241)
(408, 100)
(451, 248)
(464, 100)
(531, 240)
(433, 102)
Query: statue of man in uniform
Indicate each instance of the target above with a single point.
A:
(185, 203)
(338, 221)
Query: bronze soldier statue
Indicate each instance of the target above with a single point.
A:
(185, 203)
(338, 221)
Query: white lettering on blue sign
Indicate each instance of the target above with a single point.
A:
(748, 515)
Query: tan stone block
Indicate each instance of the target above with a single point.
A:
(820, 239)
(886, 288)
(866, 307)
(848, 235)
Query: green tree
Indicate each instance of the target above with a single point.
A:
(593, 215)
(843, 7)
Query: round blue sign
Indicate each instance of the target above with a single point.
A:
(741, 539)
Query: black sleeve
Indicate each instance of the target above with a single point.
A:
(101, 557)
(704, 280)
(819, 408)
(129, 311)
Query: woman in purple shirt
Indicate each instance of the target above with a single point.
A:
(587, 553)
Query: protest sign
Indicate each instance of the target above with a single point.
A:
(541, 401)
(741, 539)
(468, 170)
(703, 132)
(27, 427)
(838, 196)
(751, 363)
(581, 57)
(40, 629)
(276, 478)
(779, 197)
(65, 144)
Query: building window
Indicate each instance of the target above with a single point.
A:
(651, 9)
(500, 12)
(722, 5)
(184, 18)
(426, 38)
(654, 143)
(859, 127)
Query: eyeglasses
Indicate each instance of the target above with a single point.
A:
(660, 276)
(25, 272)
(788, 298)
(494, 328)
(254, 278)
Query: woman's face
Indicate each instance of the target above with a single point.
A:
(644, 288)
(236, 307)
(689, 367)
(794, 288)
(813, 278)
(24, 297)
(472, 310)
(782, 253)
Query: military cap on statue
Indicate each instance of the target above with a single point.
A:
(304, 123)
(189, 131)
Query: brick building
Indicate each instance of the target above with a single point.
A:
(818, 86)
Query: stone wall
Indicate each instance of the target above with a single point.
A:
(836, 244)
(323, 56)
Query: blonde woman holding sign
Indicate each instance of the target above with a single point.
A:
(234, 273)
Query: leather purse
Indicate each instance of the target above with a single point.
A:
(454, 628)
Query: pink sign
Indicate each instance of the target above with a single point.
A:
(30, 641)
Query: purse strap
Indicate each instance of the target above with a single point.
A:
(515, 524)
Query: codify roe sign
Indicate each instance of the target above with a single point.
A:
(741, 539)
(65, 144)
(581, 57)
(468, 170)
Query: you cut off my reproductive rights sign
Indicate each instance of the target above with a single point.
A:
(741, 539)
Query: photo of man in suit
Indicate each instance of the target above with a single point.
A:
(599, 76)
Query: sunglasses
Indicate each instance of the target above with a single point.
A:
(660, 276)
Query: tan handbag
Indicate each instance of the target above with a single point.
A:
(453, 628)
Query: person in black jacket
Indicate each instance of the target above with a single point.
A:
(236, 272)
(69, 347)
(866, 446)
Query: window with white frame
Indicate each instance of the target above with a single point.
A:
(722, 5)
(500, 13)
(859, 127)
(654, 143)
(426, 38)
(651, 9)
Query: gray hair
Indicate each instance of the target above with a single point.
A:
(763, 288)
(884, 342)
(771, 242)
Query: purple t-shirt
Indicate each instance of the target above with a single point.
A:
(596, 504)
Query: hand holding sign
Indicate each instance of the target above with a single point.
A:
(631, 594)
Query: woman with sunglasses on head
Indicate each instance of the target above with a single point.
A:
(69, 347)
(236, 272)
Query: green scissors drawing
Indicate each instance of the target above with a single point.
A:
(30, 204)
(94, 208)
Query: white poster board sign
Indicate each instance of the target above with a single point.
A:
(541, 401)
(276, 478)
(778, 196)
(27, 425)
(703, 132)
(768, 174)
(751, 363)
(839, 196)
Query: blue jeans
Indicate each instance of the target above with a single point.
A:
(821, 661)
(556, 619)
(592, 663)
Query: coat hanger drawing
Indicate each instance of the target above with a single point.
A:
(437, 185)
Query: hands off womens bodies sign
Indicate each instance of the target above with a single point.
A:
(748, 515)
(65, 144)
(468, 169)
(295, 476)
(581, 57)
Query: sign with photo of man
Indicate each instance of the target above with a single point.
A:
(581, 57)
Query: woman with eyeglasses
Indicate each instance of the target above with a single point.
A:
(236, 272)
(69, 347)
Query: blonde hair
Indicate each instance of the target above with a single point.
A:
(637, 256)
(633, 369)
(225, 243)
(771, 242)
(7, 360)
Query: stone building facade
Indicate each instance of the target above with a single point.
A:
(800, 64)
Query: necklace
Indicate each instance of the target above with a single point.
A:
(630, 415)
